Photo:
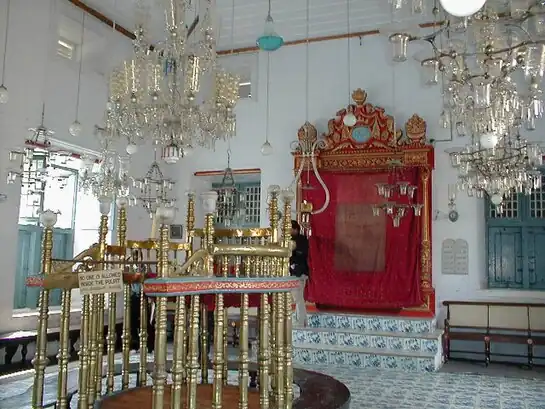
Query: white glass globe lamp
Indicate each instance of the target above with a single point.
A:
(266, 149)
(496, 199)
(131, 148)
(462, 8)
(75, 129)
(349, 119)
(4, 94)
(488, 140)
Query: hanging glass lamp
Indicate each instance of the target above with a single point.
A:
(269, 40)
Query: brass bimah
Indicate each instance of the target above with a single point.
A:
(192, 282)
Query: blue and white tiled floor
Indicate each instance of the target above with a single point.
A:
(376, 389)
(383, 389)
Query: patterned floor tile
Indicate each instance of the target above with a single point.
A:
(387, 390)
(376, 389)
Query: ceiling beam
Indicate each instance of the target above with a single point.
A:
(102, 18)
(243, 50)
(254, 49)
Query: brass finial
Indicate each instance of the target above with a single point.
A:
(359, 96)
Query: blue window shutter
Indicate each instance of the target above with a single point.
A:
(505, 258)
(534, 244)
(29, 262)
(28, 248)
(515, 243)
(63, 246)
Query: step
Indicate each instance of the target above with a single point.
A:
(371, 322)
(429, 342)
(413, 361)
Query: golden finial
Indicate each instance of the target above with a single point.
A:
(416, 129)
(359, 96)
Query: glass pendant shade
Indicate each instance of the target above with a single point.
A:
(4, 95)
(75, 129)
(269, 40)
(131, 148)
(462, 8)
(266, 149)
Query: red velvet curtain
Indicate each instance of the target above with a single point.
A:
(358, 260)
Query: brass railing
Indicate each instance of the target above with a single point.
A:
(253, 264)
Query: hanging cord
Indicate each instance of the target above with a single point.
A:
(349, 61)
(233, 27)
(307, 58)
(268, 113)
(81, 61)
(5, 43)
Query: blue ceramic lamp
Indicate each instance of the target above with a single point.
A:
(269, 40)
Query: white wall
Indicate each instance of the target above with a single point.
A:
(32, 71)
(396, 88)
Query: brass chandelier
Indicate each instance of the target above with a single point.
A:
(174, 92)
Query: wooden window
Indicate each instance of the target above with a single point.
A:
(516, 242)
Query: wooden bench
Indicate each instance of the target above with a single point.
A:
(11, 342)
(494, 322)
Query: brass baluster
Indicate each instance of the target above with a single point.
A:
(287, 197)
(40, 361)
(160, 372)
(105, 206)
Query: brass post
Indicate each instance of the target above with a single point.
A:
(193, 353)
(220, 360)
(143, 335)
(243, 353)
(160, 372)
(178, 358)
(204, 342)
(208, 242)
(264, 352)
(122, 203)
(190, 222)
(287, 197)
(84, 353)
(103, 233)
(126, 332)
(40, 361)
(63, 356)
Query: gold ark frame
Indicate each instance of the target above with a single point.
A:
(369, 146)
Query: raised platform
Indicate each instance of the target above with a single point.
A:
(369, 341)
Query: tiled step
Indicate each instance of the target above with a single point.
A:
(369, 341)
(398, 341)
(313, 354)
(371, 323)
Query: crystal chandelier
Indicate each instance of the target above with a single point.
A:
(399, 195)
(107, 178)
(492, 64)
(34, 161)
(230, 205)
(107, 181)
(175, 91)
(153, 190)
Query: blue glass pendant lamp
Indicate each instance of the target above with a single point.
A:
(269, 40)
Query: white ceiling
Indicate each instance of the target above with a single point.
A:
(326, 17)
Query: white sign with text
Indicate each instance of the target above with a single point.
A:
(101, 282)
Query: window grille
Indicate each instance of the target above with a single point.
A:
(250, 201)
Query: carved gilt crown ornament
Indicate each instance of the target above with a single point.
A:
(489, 62)
(371, 144)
